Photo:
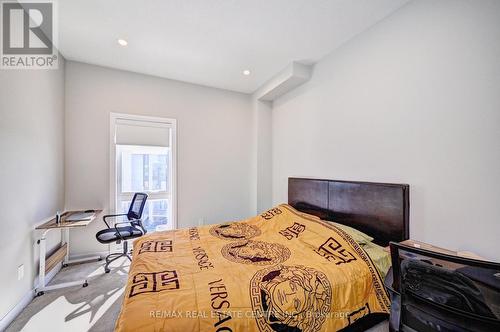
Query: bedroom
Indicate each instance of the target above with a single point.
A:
(213, 108)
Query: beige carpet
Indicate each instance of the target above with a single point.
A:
(78, 309)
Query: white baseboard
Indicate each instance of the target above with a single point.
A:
(26, 299)
(14, 312)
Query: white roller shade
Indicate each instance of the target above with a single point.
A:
(133, 132)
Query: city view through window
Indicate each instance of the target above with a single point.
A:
(145, 169)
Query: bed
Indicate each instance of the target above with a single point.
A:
(294, 267)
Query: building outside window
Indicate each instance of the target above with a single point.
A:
(144, 162)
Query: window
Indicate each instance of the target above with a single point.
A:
(145, 169)
(144, 156)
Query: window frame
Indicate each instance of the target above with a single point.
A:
(113, 162)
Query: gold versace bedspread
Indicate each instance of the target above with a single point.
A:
(277, 271)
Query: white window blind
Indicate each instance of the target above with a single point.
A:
(135, 132)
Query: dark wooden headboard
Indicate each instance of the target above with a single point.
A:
(381, 210)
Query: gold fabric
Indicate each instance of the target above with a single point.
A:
(279, 270)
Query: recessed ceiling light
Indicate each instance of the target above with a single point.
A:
(122, 42)
(246, 72)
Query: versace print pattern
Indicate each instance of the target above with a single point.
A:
(234, 231)
(333, 251)
(255, 252)
(293, 231)
(295, 298)
(156, 246)
(151, 282)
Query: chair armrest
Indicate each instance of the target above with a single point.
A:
(138, 222)
(112, 216)
(132, 223)
(118, 231)
(123, 222)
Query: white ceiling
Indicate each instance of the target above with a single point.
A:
(210, 42)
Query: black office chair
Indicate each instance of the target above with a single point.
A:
(122, 233)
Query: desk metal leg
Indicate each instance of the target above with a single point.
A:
(41, 268)
(65, 235)
(42, 287)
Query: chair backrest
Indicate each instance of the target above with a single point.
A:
(445, 293)
(137, 206)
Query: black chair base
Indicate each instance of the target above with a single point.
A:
(114, 256)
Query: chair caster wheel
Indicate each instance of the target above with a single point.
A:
(40, 293)
(85, 285)
(65, 265)
(107, 270)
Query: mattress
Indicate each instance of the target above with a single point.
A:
(281, 270)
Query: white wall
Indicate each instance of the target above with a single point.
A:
(262, 157)
(31, 171)
(415, 99)
(214, 144)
